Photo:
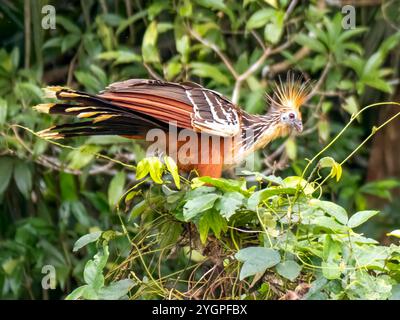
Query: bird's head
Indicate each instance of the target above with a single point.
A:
(286, 100)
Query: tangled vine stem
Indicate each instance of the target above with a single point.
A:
(96, 154)
(353, 117)
(373, 132)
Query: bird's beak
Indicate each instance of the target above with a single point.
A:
(298, 125)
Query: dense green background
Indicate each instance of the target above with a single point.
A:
(50, 196)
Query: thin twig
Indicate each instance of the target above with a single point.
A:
(152, 72)
(217, 50)
(253, 68)
(27, 28)
(286, 64)
(320, 80)
(258, 39)
(290, 9)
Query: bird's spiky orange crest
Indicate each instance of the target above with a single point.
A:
(290, 94)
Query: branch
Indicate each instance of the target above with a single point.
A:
(267, 52)
(152, 72)
(217, 50)
(253, 68)
(286, 64)
(290, 9)
(321, 79)
(27, 33)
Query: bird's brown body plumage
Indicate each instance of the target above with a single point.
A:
(134, 107)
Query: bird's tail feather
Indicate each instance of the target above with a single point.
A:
(106, 118)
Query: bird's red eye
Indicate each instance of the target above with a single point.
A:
(292, 115)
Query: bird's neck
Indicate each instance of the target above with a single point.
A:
(259, 130)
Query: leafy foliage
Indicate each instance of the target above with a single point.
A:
(277, 234)
(51, 195)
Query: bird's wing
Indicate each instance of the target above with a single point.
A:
(190, 105)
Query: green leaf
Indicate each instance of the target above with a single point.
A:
(323, 129)
(298, 183)
(3, 111)
(331, 270)
(151, 165)
(328, 223)
(316, 286)
(395, 292)
(351, 33)
(361, 217)
(332, 209)
(156, 169)
(394, 233)
(86, 239)
(173, 169)
(81, 157)
(336, 168)
(183, 47)
(142, 169)
(212, 4)
(256, 260)
(138, 209)
(23, 178)
(390, 43)
(257, 197)
(80, 213)
(68, 25)
(120, 56)
(311, 43)
(169, 234)
(93, 272)
(31, 90)
(197, 205)
(260, 18)
(185, 8)
(53, 43)
(68, 187)
(289, 269)
(273, 31)
(350, 105)
(205, 70)
(100, 75)
(229, 203)
(6, 170)
(226, 185)
(149, 45)
(331, 249)
(77, 293)
(272, 3)
(211, 220)
(373, 63)
(89, 81)
(116, 290)
(130, 21)
(116, 188)
(9, 265)
(379, 84)
(173, 69)
(380, 188)
(291, 148)
(259, 176)
(156, 8)
(69, 41)
(112, 19)
(90, 293)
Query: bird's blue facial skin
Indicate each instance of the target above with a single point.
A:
(292, 119)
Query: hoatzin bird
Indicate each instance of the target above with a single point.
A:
(136, 107)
